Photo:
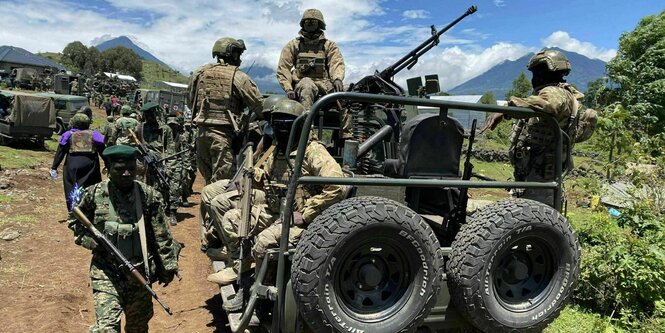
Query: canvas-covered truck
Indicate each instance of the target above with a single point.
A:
(66, 107)
(28, 118)
(406, 249)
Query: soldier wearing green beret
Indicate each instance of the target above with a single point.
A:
(123, 208)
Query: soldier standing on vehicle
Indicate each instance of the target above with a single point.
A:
(310, 200)
(74, 87)
(48, 82)
(157, 138)
(80, 147)
(122, 209)
(312, 65)
(122, 127)
(532, 141)
(218, 93)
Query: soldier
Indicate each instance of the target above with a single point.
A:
(109, 130)
(79, 147)
(118, 207)
(174, 165)
(314, 64)
(157, 138)
(122, 127)
(532, 141)
(74, 87)
(218, 93)
(48, 82)
(187, 142)
(310, 200)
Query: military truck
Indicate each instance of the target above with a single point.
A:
(27, 118)
(66, 106)
(23, 77)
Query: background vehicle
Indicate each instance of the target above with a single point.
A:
(30, 118)
(66, 106)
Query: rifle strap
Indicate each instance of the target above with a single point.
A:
(142, 231)
(265, 156)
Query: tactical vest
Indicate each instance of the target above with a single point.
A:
(81, 142)
(311, 59)
(215, 95)
(120, 223)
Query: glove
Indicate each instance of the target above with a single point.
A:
(297, 219)
(166, 277)
(291, 94)
(338, 85)
(54, 174)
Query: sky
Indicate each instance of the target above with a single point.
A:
(371, 34)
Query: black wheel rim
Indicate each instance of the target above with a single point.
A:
(523, 273)
(374, 278)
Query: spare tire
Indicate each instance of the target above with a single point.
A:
(513, 266)
(366, 264)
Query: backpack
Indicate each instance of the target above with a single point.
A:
(586, 125)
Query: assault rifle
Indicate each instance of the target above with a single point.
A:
(245, 192)
(117, 256)
(468, 170)
(151, 162)
(382, 82)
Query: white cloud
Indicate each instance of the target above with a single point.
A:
(416, 14)
(499, 3)
(563, 40)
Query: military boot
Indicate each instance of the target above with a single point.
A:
(229, 274)
(172, 218)
(236, 303)
(217, 253)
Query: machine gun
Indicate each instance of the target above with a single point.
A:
(117, 256)
(382, 82)
(245, 192)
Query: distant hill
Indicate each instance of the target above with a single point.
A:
(126, 42)
(499, 79)
(264, 77)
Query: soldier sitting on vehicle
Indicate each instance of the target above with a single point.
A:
(271, 171)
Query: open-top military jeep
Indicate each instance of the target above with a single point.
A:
(399, 253)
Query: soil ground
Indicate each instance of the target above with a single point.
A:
(44, 283)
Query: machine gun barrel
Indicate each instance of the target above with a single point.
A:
(411, 59)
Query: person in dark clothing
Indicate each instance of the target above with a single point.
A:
(80, 148)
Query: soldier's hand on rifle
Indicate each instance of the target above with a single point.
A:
(338, 85)
(88, 243)
(491, 122)
(291, 94)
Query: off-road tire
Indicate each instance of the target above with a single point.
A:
(59, 128)
(513, 266)
(367, 264)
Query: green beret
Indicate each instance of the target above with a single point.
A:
(126, 110)
(149, 106)
(120, 152)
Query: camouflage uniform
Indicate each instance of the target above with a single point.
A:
(114, 214)
(219, 92)
(109, 130)
(121, 130)
(309, 66)
(156, 139)
(174, 165)
(531, 151)
(187, 142)
(310, 200)
(74, 87)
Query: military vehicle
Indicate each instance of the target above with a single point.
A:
(23, 77)
(61, 83)
(66, 107)
(27, 118)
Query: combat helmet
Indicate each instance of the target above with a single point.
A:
(288, 107)
(270, 102)
(313, 14)
(126, 110)
(225, 46)
(554, 60)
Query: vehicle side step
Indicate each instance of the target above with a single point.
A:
(228, 292)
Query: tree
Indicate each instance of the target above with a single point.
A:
(639, 70)
(521, 87)
(123, 60)
(488, 98)
(75, 54)
(92, 63)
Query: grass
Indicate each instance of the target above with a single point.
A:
(12, 158)
(18, 219)
(5, 199)
(573, 319)
(154, 72)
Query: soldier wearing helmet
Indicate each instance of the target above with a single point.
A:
(312, 65)
(532, 141)
(123, 124)
(271, 175)
(218, 93)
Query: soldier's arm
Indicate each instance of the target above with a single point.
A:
(548, 100)
(318, 162)
(167, 249)
(249, 92)
(87, 205)
(336, 66)
(286, 60)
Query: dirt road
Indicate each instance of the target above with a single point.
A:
(44, 283)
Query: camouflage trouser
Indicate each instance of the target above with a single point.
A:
(112, 298)
(308, 91)
(260, 220)
(270, 237)
(534, 165)
(174, 171)
(214, 153)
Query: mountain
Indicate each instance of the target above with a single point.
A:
(264, 77)
(499, 79)
(128, 43)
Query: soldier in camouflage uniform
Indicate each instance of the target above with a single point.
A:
(311, 65)
(268, 177)
(108, 130)
(122, 127)
(116, 207)
(188, 142)
(532, 141)
(218, 93)
(74, 87)
(174, 165)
